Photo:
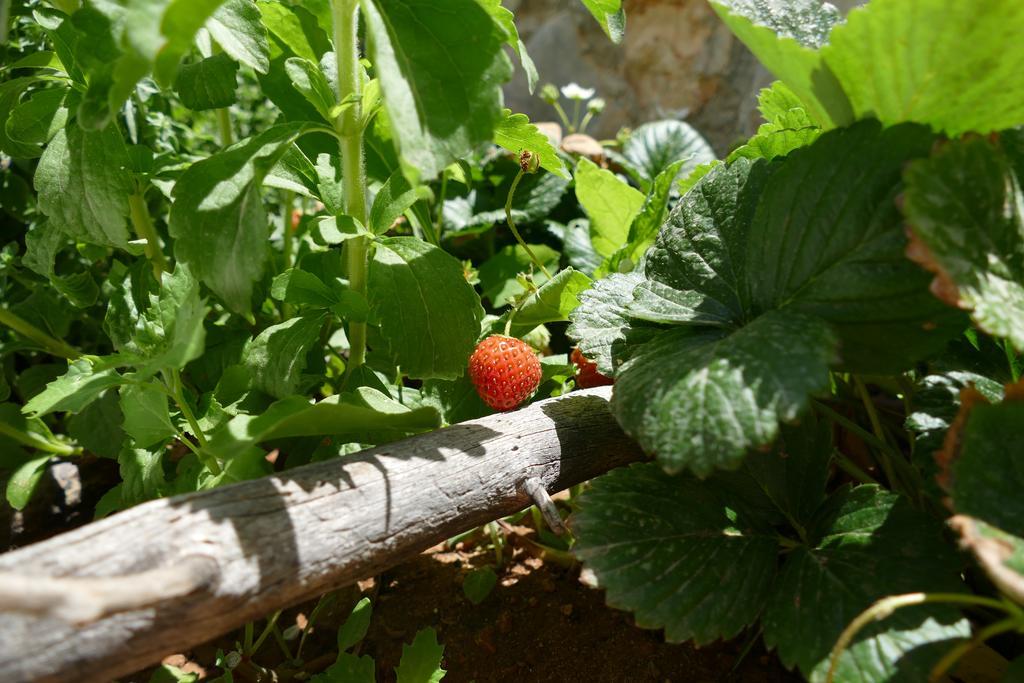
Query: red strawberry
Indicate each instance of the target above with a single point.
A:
(505, 371)
(587, 375)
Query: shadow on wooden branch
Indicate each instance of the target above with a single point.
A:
(119, 594)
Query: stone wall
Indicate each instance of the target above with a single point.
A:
(678, 60)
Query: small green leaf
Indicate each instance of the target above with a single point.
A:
(653, 147)
(478, 584)
(552, 302)
(83, 383)
(208, 83)
(83, 185)
(421, 660)
(97, 428)
(610, 16)
(964, 208)
(277, 356)
(147, 419)
(309, 80)
(355, 627)
(331, 230)
(142, 474)
(295, 286)
(498, 274)
(701, 571)
(610, 203)
(238, 30)
(393, 199)
(516, 134)
(24, 481)
(417, 286)
(441, 91)
(39, 118)
(349, 669)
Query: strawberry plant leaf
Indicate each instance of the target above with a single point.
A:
(10, 95)
(787, 38)
(963, 205)
(866, 543)
(780, 105)
(147, 419)
(506, 21)
(610, 16)
(349, 668)
(366, 416)
(478, 584)
(277, 356)
(294, 29)
(498, 274)
(355, 627)
(24, 480)
(653, 147)
(552, 302)
(953, 67)
(83, 185)
(516, 134)
(218, 213)
(610, 203)
(442, 92)
(208, 83)
(701, 571)
(701, 399)
(237, 28)
(417, 286)
(421, 659)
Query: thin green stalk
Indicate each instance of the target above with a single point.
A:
(496, 541)
(144, 230)
(851, 468)
(37, 442)
(345, 14)
(52, 346)
(178, 394)
(575, 116)
(586, 121)
(562, 115)
(282, 645)
(876, 427)
(1011, 358)
(227, 134)
(286, 223)
(250, 630)
(512, 225)
(950, 659)
(440, 204)
(886, 606)
(266, 632)
(5, 16)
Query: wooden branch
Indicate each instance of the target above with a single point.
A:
(172, 573)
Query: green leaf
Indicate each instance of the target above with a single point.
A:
(780, 105)
(208, 83)
(277, 356)
(786, 38)
(952, 66)
(499, 274)
(441, 91)
(83, 185)
(172, 674)
(478, 584)
(507, 22)
(779, 139)
(39, 118)
(295, 286)
(98, 428)
(24, 481)
(457, 400)
(701, 570)
(294, 29)
(367, 416)
(610, 203)
(309, 80)
(867, 543)
(237, 28)
(935, 402)
(26, 431)
(610, 15)
(421, 660)
(142, 474)
(349, 669)
(218, 220)
(964, 208)
(516, 134)
(330, 230)
(552, 302)
(83, 383)
(355, 627)
(393, 199)
(429, 314)
(701, 399)
(653, 147)
(147, 419)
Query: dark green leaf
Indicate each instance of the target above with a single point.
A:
(309, 80)
(218, 220)
(701, 570)
(654, 147)
(208, 83)
(498, 274)
(24, 481)
(478, 584)
(277, 357)
(83, 383)
(147, 419)
(552, 302)
(98, 428)
(429, 314)
(866, 544)
(964, 208)
(355, 627)
(393, 199)
(142, 474)
(298, 287)
(442, 92)
(237, 28)
(39, 118)
(349, 669)
(421, 660)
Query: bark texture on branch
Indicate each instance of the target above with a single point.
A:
(276, 541)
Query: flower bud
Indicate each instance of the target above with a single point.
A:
(529, 162)
(549, 93)
(596, 105)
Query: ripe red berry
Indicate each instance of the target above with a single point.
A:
(505, 371)
(587, 375)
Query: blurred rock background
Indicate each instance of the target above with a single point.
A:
(678, 60)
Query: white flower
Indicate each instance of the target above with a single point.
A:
(575, 91)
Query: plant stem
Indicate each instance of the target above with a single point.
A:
(5, 16)
(515, 231)
(144, 229)
(876, 427)
(227, 135)
(496, 541)
(37, 442)
(178, 394)
(1011, 359)
(851, 468)
(562, 115)
(950, 659)
(350, 131)
(266, 632)
(886, 606)
(52, 346)
(440, 205)
(286, 224)
(575, 116)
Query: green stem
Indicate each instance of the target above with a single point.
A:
(286, 222)
(1011, 358)
(266, 632)
(348, 125)
(575, 116)
(144, 229)
(440, 205)
(5, 17)
(886, 606)
(876, 427)
(950, 659)
(851, 468)
(227, 134)
(586, 121)
(247, 639)
(49, 344)
(178, 394)
(512, 225)
(496, 541)
(562, 115)
(37, 442)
